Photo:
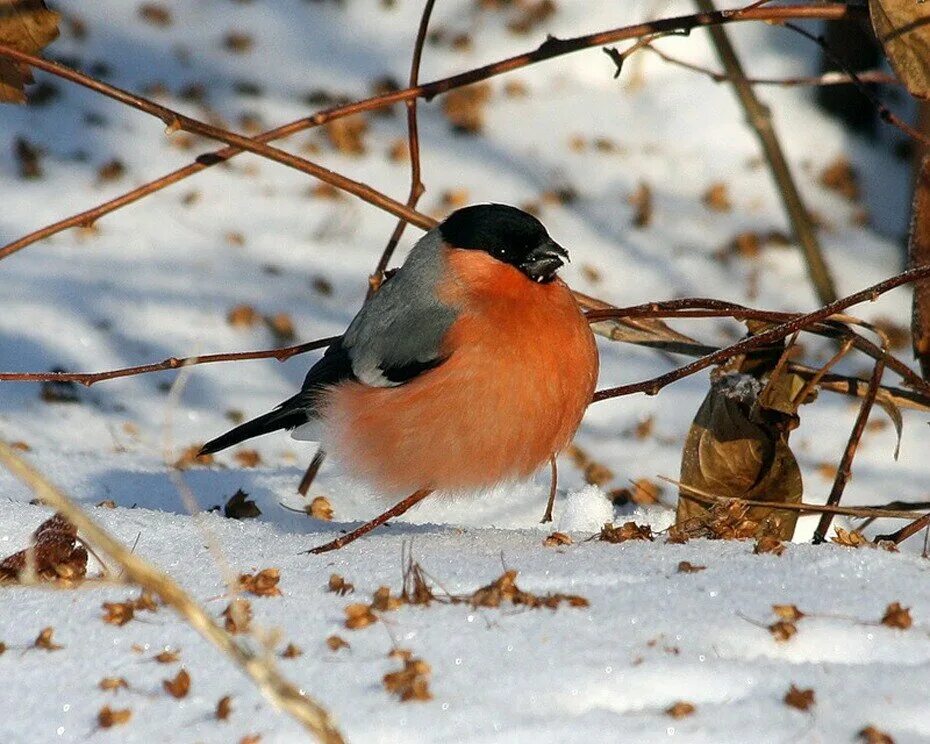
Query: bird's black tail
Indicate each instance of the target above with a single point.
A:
(282, 417)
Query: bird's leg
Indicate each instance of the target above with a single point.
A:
(396, 510)
(312, 470)
(547, 517)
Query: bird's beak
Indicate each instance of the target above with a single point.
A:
(543, 261)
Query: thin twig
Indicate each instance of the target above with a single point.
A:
(281, 693)
(907, 531)
(550, 49)
(413, 138)
(828, 78)
(884, 113)
(90, 378)
(176, 121)
(760, 119)
(844, 470)
(777, 333)
(850, 511)
(703, 307)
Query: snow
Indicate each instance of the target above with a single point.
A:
(159, 277)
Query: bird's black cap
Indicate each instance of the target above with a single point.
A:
(509, 235)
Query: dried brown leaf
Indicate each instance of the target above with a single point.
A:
(44, 640)
(336, 642)
(768, 544)
(681, 709)
(109, 717)
(243, 316)
(321, 508)
(359, 616)
(54, 556)
(179, 686)
(238, 616)
(903, 28)
(849, 538)
(798, 698)
(687, 567)
(168, 656)
(626, 531)
(292, 651)
(717, 198)
(118, 613)
(841, 177)
(347, 135)
(641, 201)
(411, 682)
(872, 735)
(112, 684)
(248, 458)
(557, 540)
(27, 26)
(240, 506)
(338, 585)
(465, 107)
(191, 457)
(782, 630)
(223, 708)
(263, 583)
(897, 616)
(737, 447)
(788, 612)
(384, 602)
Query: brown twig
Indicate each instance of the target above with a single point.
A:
(884, 113)
(550, 49)
(175, 121)
(703, 307)
(850, 511)
(281, 693)
(907, 531)
(844, 470)
(413, 138)
(395, 511)
(783, 330)
(553, 487)
(828, 78)
(919, 254)
(760, 119)
(90, 378)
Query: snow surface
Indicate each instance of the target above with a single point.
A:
(159, 277)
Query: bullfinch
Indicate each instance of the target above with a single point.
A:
(471, 366)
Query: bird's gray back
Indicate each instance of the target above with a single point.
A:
(402, 326)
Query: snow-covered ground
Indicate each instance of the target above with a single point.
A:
(159, 278)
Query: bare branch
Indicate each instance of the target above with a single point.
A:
(89, 378)
(551, 48)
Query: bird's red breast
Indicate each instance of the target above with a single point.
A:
(521, 369)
